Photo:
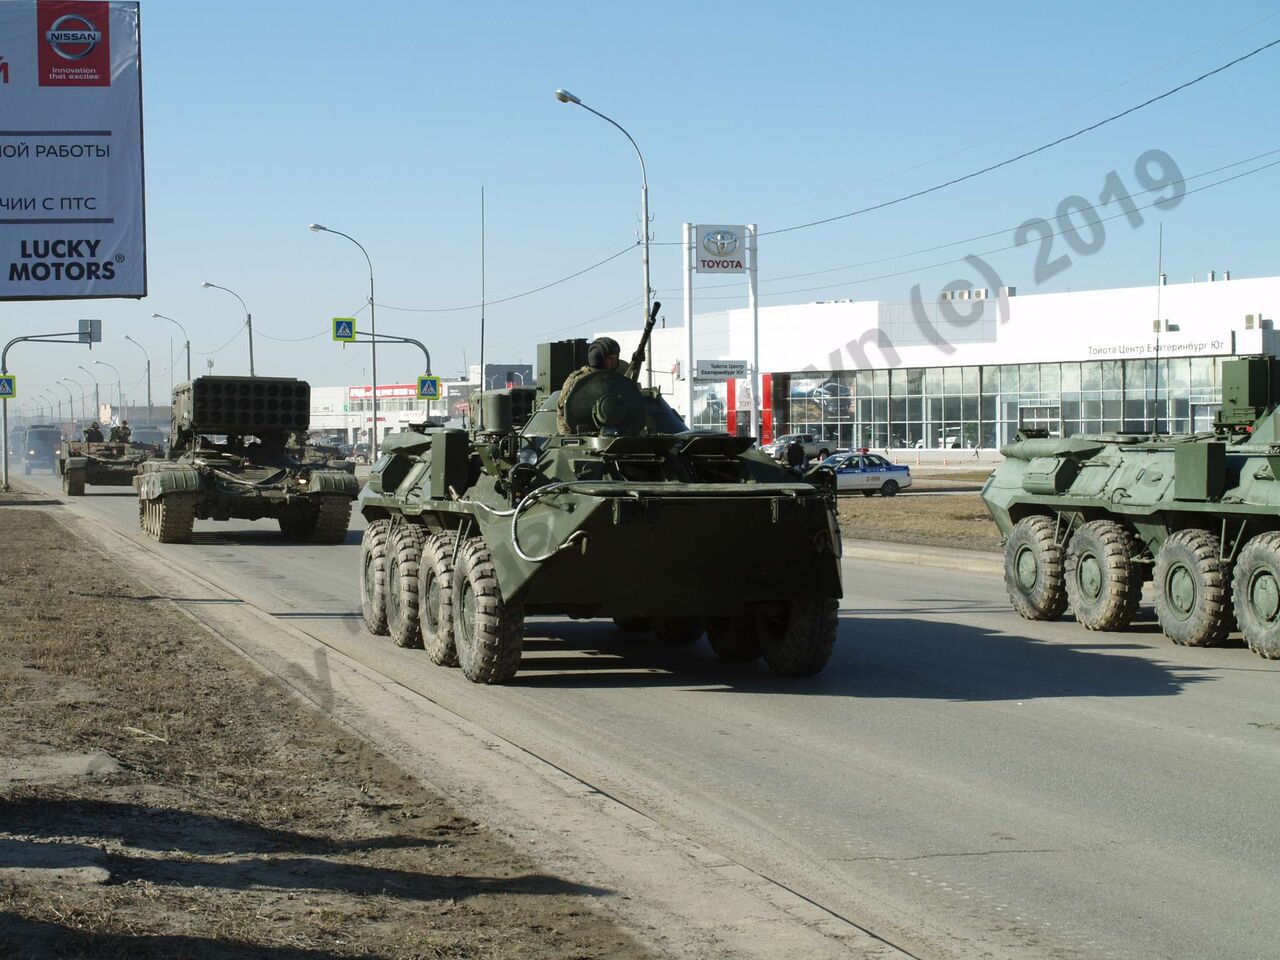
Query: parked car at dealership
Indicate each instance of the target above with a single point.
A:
(868, 473)
(814, 446)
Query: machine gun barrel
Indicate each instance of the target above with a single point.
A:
(637, 358)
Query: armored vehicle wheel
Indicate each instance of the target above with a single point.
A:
(633, 624)
(677, 631)
(797, 637)
(172, 517)
(333, 519)
(435, 598)
(1256, 594)
(1104, 585)
(373, 576)
(889, 488)
(73, 483)
(404, 551)
(1033, 569)
(487, 632)
(1191, 581)
(736, 639)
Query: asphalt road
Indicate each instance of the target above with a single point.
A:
(958, 781)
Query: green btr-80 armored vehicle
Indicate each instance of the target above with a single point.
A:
(625, 514)
(237, 450)
(1089, 519)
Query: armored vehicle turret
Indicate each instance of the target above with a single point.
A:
(588, 497)
(1087, 520)
(237, 449)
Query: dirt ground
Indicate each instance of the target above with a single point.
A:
(160, 799)
(943, 509)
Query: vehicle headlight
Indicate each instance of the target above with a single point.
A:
(31, 453)
(303, 481)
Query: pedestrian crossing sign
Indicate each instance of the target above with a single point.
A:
(344, 329)
(8, 387)
(428, 388)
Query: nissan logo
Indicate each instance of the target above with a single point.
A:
(720, 243)
(73, 37)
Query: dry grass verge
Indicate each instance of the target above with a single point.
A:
(159, 799)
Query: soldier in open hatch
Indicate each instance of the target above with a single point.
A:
(601, 355)
(93, 434)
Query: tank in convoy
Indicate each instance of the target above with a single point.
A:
(1087, 520)
(96, 462)
(237, 450)
(587, 496)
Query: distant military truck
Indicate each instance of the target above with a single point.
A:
(41, 447)
(1087, 520)
(237, 450)
(101, 464)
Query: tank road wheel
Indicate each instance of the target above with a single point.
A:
(797, 637)
(333, 519)
(73, 482)
(173, 516)
(735, 639)
(488, 633)
(373, 576)
(435, 598)
(1104, 585)
(144, 515)
(1191, 581)
(633, 624)
(677, 631)
(1256, 594)
(404, 551)
(1033, 569)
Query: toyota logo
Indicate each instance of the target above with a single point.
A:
(73, 37)
(720, 243)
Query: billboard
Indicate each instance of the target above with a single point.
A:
(72, 212)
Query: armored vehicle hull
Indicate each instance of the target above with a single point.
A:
(626, 515)
(231, 456)
(1088, 520)
(101, 464)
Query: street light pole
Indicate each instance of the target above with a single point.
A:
(248, 322)
(119, 389)
(84, 396)
(71, 403)
(564, 96)
(150, 416)
(186, 339)
(97, 402)
(373, 335)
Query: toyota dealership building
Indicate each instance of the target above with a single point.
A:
(969, 371)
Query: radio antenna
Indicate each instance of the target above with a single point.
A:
(480, 406)
(1159, 283)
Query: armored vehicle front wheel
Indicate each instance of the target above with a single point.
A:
(404, 551)
(1256, 594)
(1191, 581)
(435, 598)
(1033, 574)
(373, 576)
(797, 636)
(677, 631)
(736, 639)
(488, 632)
(1104, 585)
(73, 482)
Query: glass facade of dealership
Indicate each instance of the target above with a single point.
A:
(982, 406)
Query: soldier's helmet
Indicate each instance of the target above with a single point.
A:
(601, 349)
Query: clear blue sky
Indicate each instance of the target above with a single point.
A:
(383, 119)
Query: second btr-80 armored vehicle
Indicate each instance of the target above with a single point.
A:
(625, 514)
(101, 463)
(237, 450)
(1088, 520)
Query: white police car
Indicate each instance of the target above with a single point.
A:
(868, 472)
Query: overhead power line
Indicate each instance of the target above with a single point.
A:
(490, 303)
(1028, 153)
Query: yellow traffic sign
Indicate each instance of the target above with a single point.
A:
(344, 329)
(428, 388)
(8, 387)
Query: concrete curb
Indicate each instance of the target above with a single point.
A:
(947, 558)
